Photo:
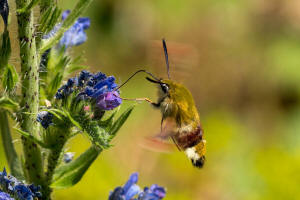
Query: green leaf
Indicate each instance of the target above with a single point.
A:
(7, 103)
(71, 173)
(119, 122)
(73, 121)
(32, 138)
(5, 49)
(109, 121)
(49, 19)
(28, 6)
(10, 78)
(9, 149)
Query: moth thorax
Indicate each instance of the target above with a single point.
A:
(197, 154)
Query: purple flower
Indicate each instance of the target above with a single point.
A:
(5, 196)
(45, 118)
(109, 100)
(131, 190)
(75, 35)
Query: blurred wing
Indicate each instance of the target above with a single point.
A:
(183, 59)
(161, 142)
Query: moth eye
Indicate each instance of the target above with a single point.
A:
(164, 88)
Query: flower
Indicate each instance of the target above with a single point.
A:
(45, 118)
(109, 100)
(98, 87)
(17, 188)
(131, 189)
(68, 157)
(155, 192)
(75, 35)
(5, 196)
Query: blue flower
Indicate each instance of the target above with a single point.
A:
(17, 188)
(45, 118)
(131, 190)
(75, 35)
(68, 157)
(97, 87)
(5, 196)
(154, 193)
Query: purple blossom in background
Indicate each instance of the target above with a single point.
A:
(131, 191)
(75, 35)
(17, 188)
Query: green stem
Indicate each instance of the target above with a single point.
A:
(53, 157)
(9, 149)
(30, 94)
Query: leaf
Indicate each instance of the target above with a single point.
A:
(71, 173)
(9, 149)
(5, 49)
(54, 85)
(4, 11)
(49, 19)
(109, 121)
(7, 103)
(119, 122)
(10, 78)
(28, 6)
(73, 121)
(31, 138)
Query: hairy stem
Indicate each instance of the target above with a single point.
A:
(30, 94)
(9, 149)
(54, 155)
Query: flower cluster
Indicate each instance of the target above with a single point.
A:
(131, 191)
(17, 188)
(45, 118)
(73, 36)
(97, 87)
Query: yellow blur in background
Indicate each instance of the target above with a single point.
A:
(241, 61)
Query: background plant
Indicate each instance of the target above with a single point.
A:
(48, 109)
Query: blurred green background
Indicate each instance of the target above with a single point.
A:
(241, 61)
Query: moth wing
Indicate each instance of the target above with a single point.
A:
(161, 141)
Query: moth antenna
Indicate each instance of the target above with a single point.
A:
(135, 73)
(166, 57)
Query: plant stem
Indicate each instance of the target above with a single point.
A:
(9, 149)
(30, 94)
(53, 157)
